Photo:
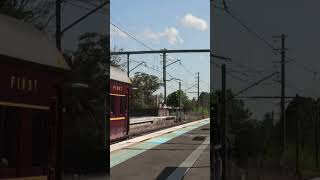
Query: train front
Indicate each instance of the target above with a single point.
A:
(31, 73)
(120, 87)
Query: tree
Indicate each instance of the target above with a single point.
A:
(189, 105)
(204, 99)
(116, 59)
(302, 108)
(36, 12)
(86, 107)
(146, 85)
(241, 127)
(173, 98)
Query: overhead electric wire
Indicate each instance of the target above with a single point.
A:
(127, 33)
(87, 2)
(267, 43)
(231, 75)
(143, 44)
(116, 26)
(251, 31)
(190, 87)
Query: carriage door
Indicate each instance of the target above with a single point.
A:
(32, 142)
(124, 112)
(52, 140)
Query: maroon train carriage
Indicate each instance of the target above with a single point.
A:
(31, 69)
(120, 87)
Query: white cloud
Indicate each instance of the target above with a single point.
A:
(171, 34)
(116, 32)
(152, 35)
(194, 22)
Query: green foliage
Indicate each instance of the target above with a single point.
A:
(302, 108)
(173, 98)
(244, 133)
(145, 85)
(204, 99)
(189, 105)
(83, 126)
(39, 13)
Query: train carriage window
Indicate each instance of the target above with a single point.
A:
(123, 104)
(9, 118)
(39, 138)
(112, 105)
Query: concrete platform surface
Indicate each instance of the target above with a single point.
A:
(179, 154)
(135, 120)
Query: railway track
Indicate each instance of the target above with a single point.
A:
(137, 134)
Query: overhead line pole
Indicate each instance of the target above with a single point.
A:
(317, 135)
(179, 100)
(283, 116)
(58, 24)
(283, 82)
(174, 51)
(198, 84)
(165, 74)
(298, 143)
(58, 165)
(164, 65)
(223, 122)
(128, 65)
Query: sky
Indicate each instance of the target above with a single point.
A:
(252, 60)
(296, 19)
(170, 24)
(72, 11)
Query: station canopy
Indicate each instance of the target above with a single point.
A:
(24, 42)
(119, 75)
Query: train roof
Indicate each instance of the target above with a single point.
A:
(24, 42)
(119, 75)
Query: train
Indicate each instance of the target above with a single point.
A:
(32, 78)
(120, 89)
(32, 71)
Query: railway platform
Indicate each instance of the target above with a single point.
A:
(180, 152)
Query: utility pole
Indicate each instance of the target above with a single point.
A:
(128, 64)
(223, 122)
(283, 83)
(198, 84)
(316, 134)
(58, 24)
(165, 73)
(164, 65)
(179, 100)
(58, 166)
(298, 144)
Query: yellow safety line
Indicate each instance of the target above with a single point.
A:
(117, 94)
(28, 178)
(31, 106)
(117, 118)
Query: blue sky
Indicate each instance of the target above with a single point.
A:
(170, 24)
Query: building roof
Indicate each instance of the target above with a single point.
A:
(23, 41)
(119, 75)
